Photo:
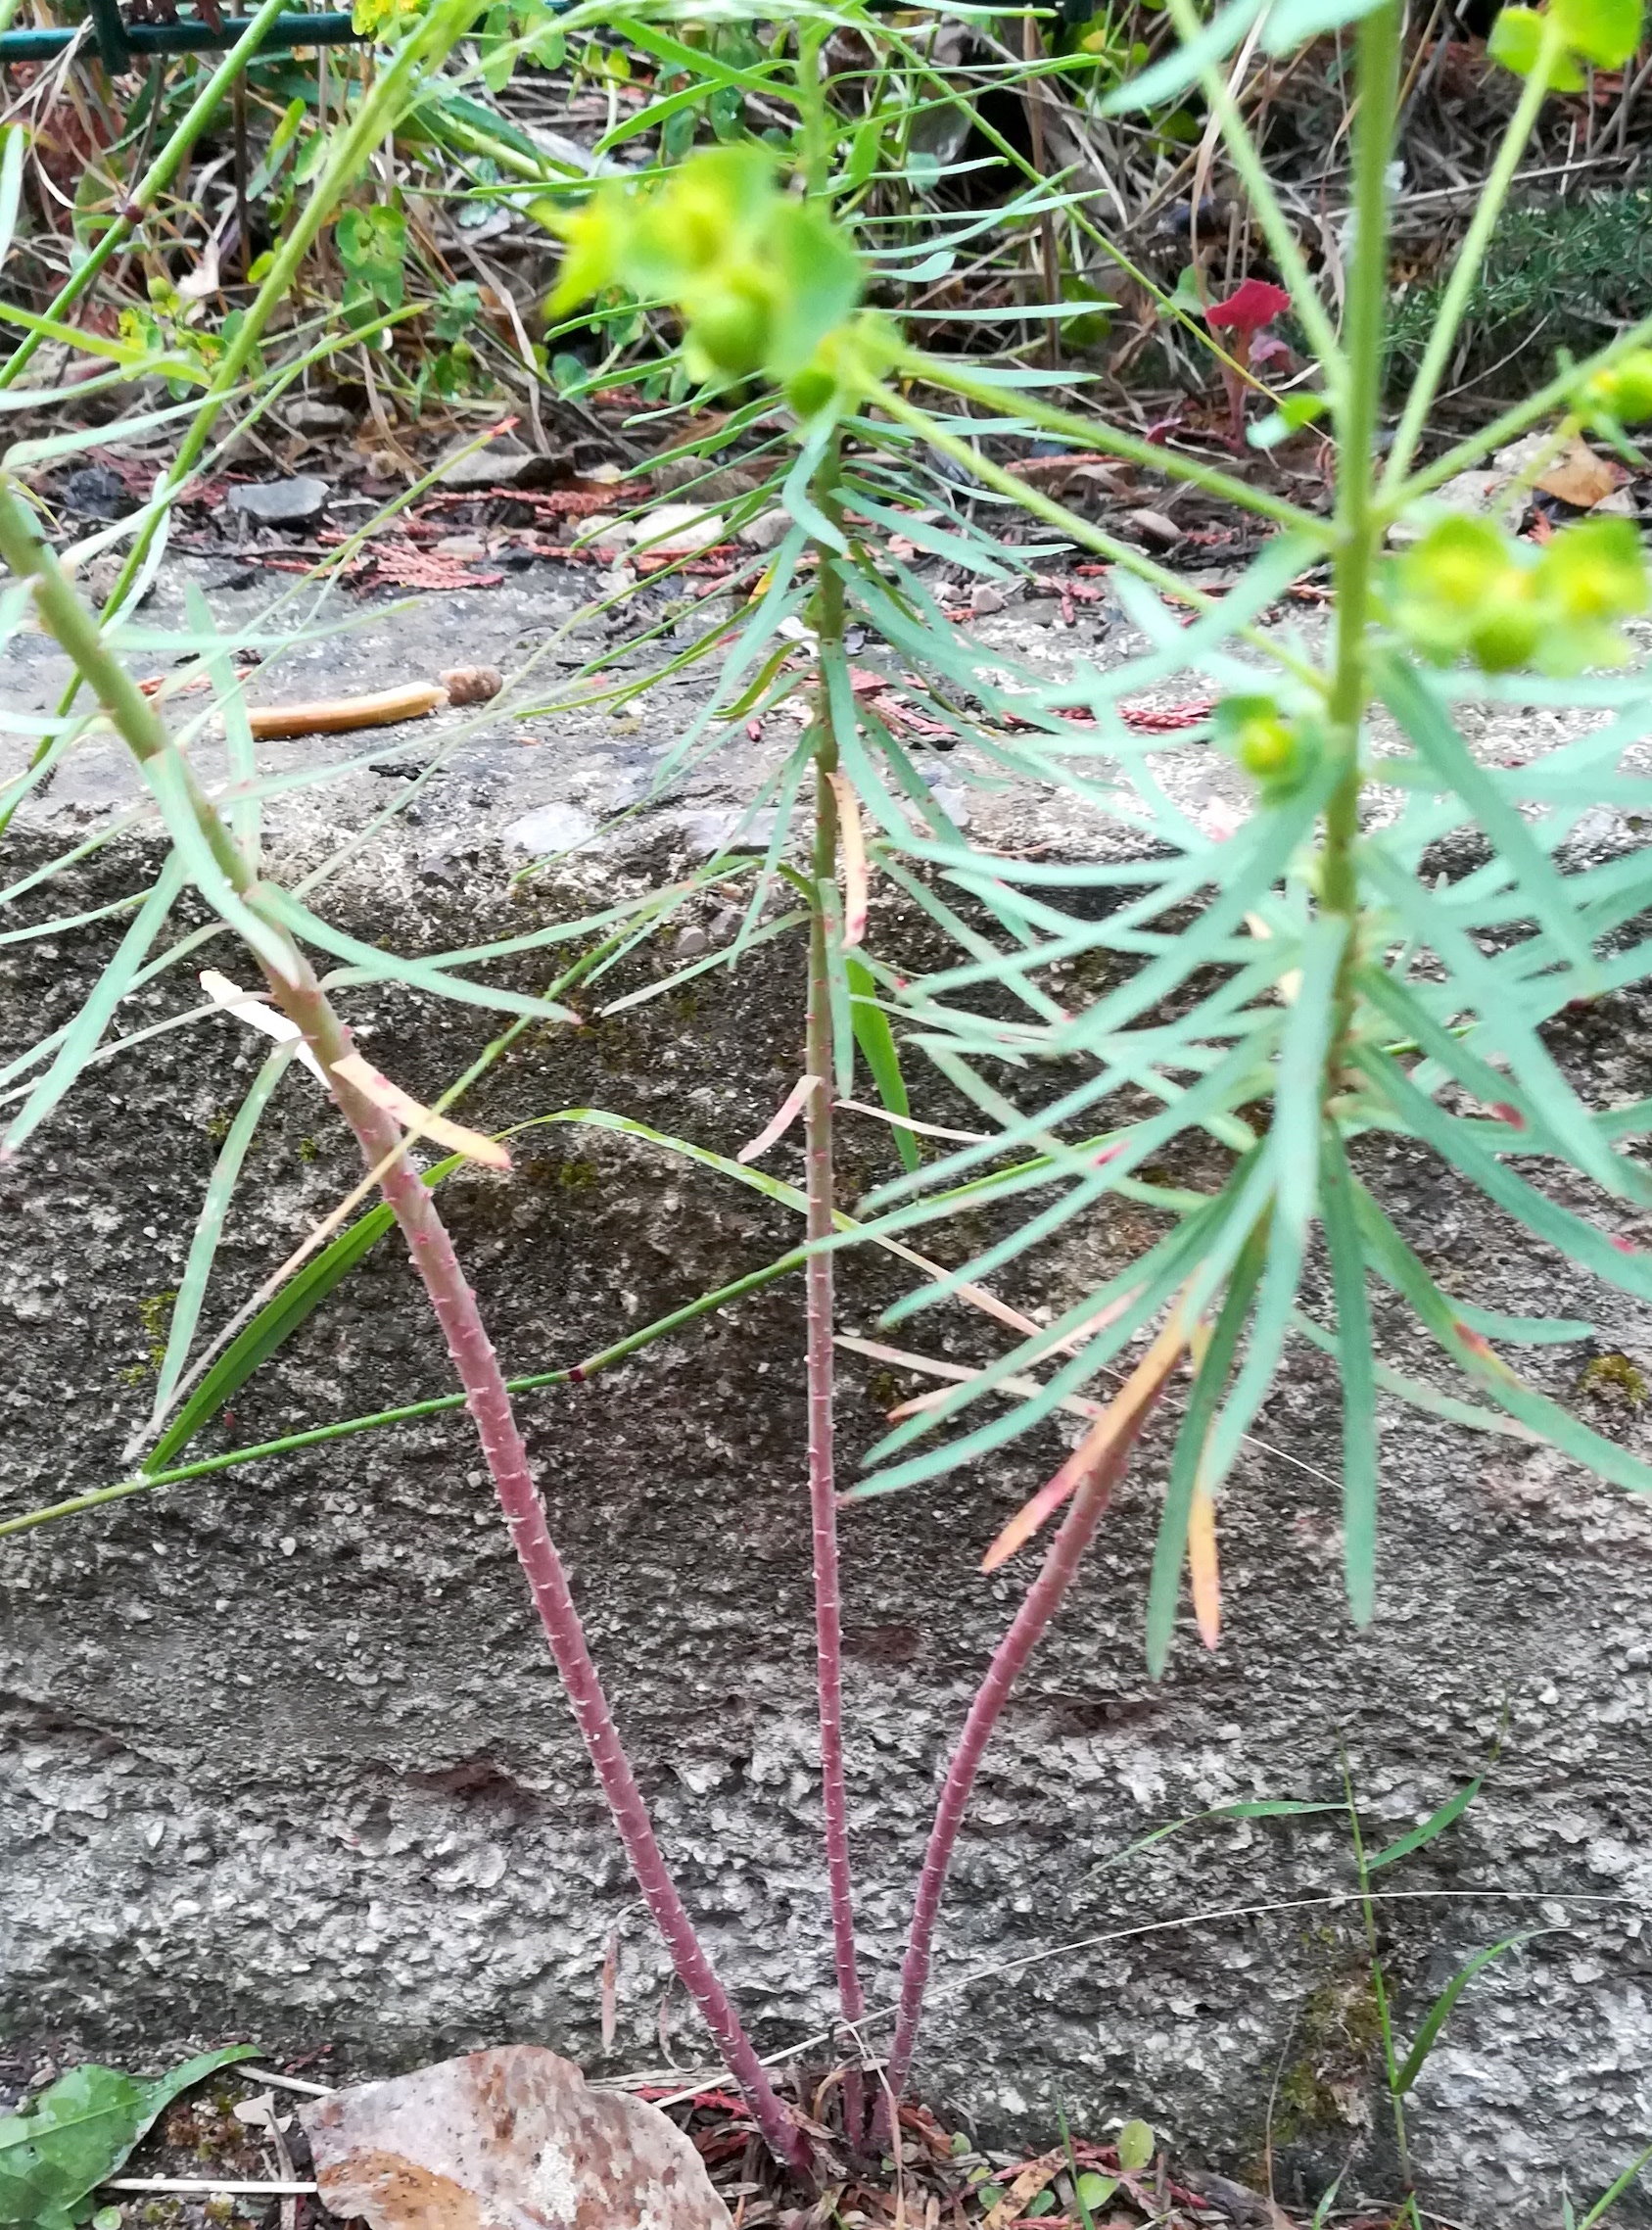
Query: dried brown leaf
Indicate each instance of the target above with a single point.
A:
(413, 1115)
(510, 2137)
(1577, 476)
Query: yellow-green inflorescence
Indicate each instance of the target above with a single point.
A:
(1470, 589)
(764, 283)
(1620, 393)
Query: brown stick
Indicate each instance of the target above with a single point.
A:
(335, 716)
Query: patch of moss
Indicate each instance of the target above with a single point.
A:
(154, 1314)
(1614, 1378)
(1337, 2035)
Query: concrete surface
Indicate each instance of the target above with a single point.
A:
(281, 1754)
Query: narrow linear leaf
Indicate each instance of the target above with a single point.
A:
(382, 967)
(1183, 66)
(1356, 1366)
(208, 1228)
(84, 1034)
(1424, 718)
(1209, 1381)
(1473, 1354)
(1440, 2010)
(1571, 1235)
(876, 1041)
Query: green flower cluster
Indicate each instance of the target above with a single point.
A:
(1573, 35)
(1468, 589)
(1620, 394)
(760, 278)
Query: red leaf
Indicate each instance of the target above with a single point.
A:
(1250, 307)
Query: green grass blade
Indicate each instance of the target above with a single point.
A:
(1440, 2010)
(274, 1325)
(1610, 2198)
(1356, 1366)
(208, 1228)
(1437, 1822)
(81, 1038)
(876, 1041)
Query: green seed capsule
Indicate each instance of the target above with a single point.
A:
(1266, 747)
(811, 390)
(1510, 627)
(731, 329)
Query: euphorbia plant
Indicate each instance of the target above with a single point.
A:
(1289, 986)
(1310, 923)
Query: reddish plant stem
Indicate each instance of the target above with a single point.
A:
(490, 1407)
(487, 1397)
(1038, 1607)
(820, 1364)
(823, 1477)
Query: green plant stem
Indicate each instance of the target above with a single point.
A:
(1379, 1990)
(1470, 257)
(153, 182)
(1243, 153)
(950, 378)
(1357, 531)
(1080, 531)
(293, 986)
(811, 100)
(409, 1412)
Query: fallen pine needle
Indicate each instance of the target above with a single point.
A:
(957, 1373)
(259, 1015)
(209, 2184)
(334, 716)
(909, 1122)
